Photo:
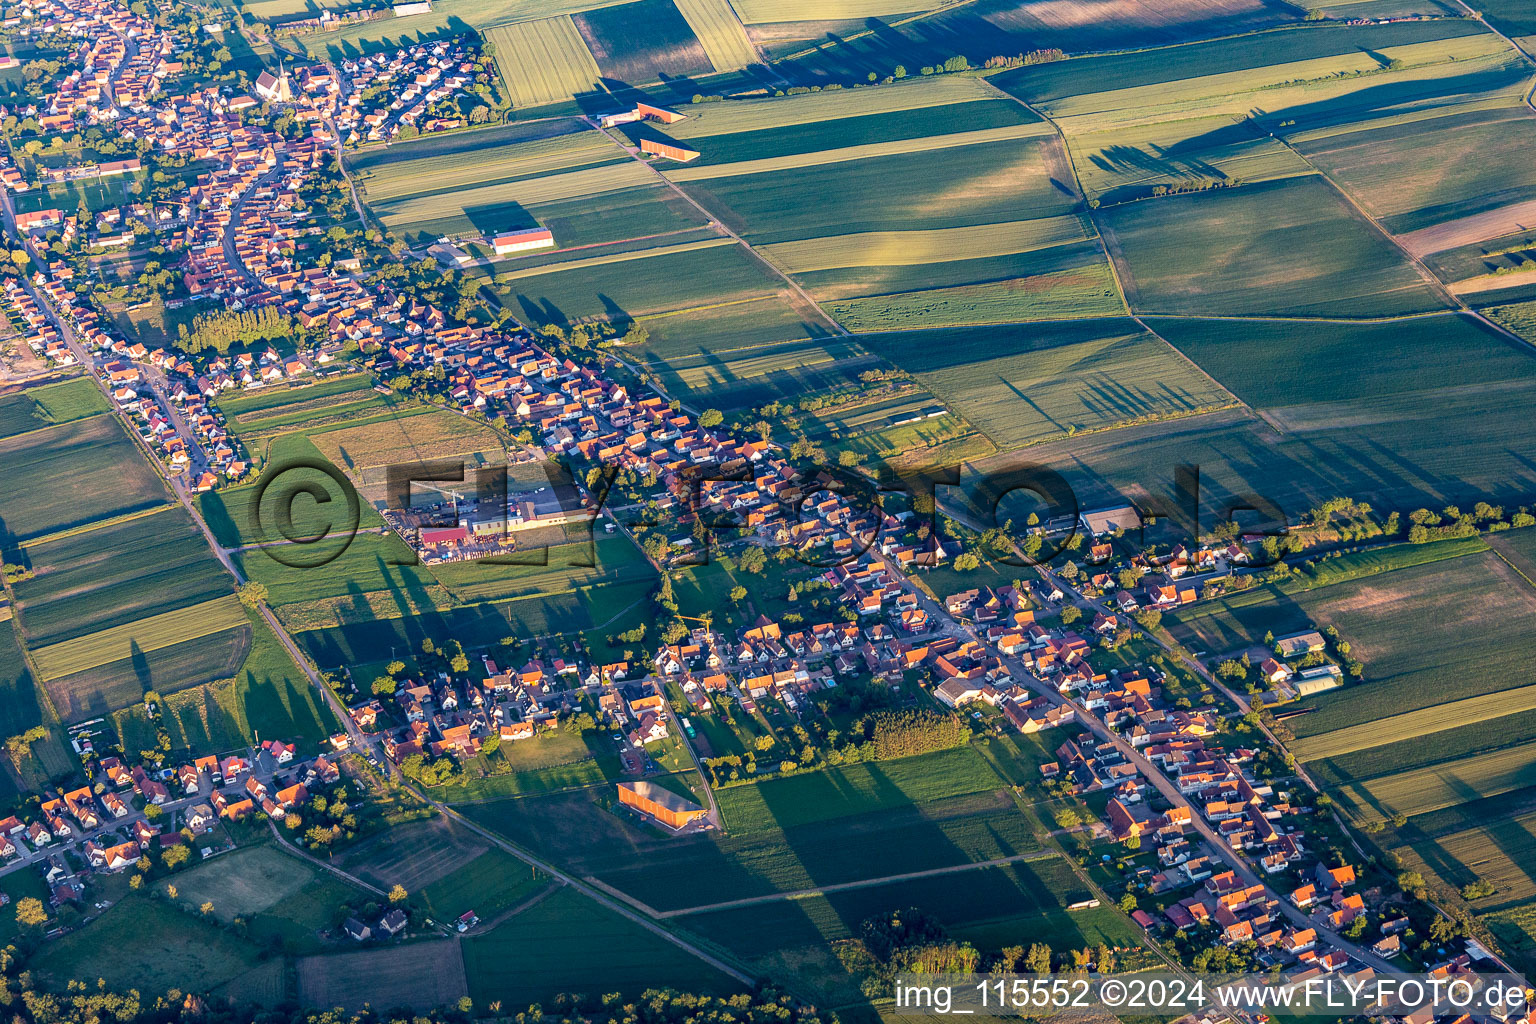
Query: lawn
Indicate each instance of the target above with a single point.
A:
(1290, 246)
(1023, 384)
(547, 950)
(69, 475)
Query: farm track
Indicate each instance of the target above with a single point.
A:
(772, 267)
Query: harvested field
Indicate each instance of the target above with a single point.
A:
(415, 854)
(544, 61)
(1471, 229)
(423, 436)
(620, 257)
(642, 41)
(422, 976)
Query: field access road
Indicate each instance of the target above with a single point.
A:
(722, 227)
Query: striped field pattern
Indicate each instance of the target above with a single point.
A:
(720, 33)
(544, 61)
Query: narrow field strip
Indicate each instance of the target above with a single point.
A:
(570, 185)
(766, 12)
(437, 174)
(618, 257)
(862, 883)
(1416, 723)
(896, 147)
(783, 112)
(151, 634)
(936, 245)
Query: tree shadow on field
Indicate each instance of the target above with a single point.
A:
(140, 663)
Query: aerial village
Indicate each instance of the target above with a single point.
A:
(1236, 860)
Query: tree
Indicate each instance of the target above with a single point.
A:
(206, 908)
(460, 663)
(1149, 619)
(1038, 959)
(753, 560)
(384, 685)
(175, 857)
(31, 912)
(711, 418)
(1068, 818)
(1070, 614)
(738, 594)
(397, 894)
(394, 668)
(252, 594)
(152, 812)
(1129, 577)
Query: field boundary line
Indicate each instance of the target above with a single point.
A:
(866, 883)
(92, 527)
(715, 221)
(640, 905)
(294, 851)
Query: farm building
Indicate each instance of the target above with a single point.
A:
(663, 805)
(1099, 522)
(523, 241)
(654, 113)
(405, 10)
(668, 150)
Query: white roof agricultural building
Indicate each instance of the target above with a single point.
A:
(522, 241)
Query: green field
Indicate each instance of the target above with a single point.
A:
(117, 574)
(1406, 174)
(52, 404)
(643, 41)
(20, 709)
(69, 475)
(1291, 246)
(784, 835)
(1020, 385)
(149, 945)
(489, 884)
(1276, 364)
(433, 166)
(546, 950)
(987, 183)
